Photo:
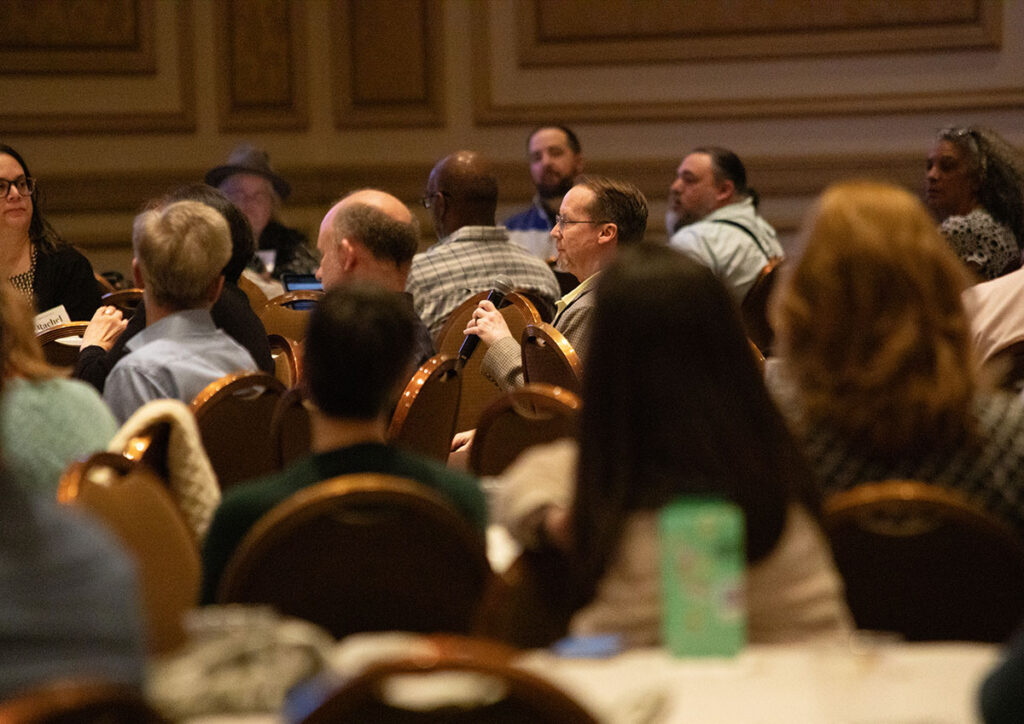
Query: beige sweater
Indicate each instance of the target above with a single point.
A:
(794, 594)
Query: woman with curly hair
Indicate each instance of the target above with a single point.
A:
(975, 187)
(876, 370)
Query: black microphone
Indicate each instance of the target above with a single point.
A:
(502, 286)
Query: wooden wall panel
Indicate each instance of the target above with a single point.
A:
(262, 58)
(590, 32)
(388, 63)
(77, 36)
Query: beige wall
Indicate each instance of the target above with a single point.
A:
(372, 92)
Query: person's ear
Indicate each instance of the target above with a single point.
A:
(348, 255)
(137, 275)
(609, 233)
(725, 191)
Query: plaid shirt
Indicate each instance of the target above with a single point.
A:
(467, 262)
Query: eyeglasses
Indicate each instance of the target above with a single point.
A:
(561, 221)
(26, 186)
(428, 199)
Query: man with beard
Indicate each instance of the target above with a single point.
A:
(555, 162)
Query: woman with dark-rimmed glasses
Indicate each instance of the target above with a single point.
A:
(33, 257)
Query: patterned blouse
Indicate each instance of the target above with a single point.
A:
(25, 281)
(982, 241)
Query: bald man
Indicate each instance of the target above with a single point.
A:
(462, 196)
(370, 235)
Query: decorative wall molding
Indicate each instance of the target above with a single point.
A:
(261, 54)
(590, 32)
(77, 37)
(492, 108)
(181, 119)
(387, 58)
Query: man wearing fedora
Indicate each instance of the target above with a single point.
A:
(253, 186)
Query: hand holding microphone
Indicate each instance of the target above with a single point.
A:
(487, 322)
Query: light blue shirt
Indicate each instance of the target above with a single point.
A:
(174, 358)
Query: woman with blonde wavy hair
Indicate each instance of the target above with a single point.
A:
(876, 369)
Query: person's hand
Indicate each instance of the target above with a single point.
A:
(463, 440)
(487, 323)
(104, 328)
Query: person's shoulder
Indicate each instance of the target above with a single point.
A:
(426, 470)
(529, 219)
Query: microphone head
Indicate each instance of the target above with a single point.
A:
(503, 284)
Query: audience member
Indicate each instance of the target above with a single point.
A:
(718, 223)
(104, 342)
(876, 370)
(555, 162)
(356, 351)
(596, 217)
(69, 598)
(46, 421)
(180, 253)
(689, 415)
(975, 187)
(372, 236)
(462, 195)
(253, 186)
(41, 265)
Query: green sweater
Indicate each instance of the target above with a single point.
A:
(244, 504)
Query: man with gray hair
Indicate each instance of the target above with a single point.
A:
(180, 253)
(372, 236)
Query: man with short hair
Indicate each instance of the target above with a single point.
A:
(719, 226)
(370, 235)
(597, 216)
(354, 356)
(462, 195)
(555, 162)
(180, 253)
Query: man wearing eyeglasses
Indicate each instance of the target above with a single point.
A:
(462, 196)
(717, 223)
(555, 162)
(596, 217)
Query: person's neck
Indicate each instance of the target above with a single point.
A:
(13, 252)
(329, 433)
(156, 311)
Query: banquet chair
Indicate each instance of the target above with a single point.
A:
(480, 683)
(62, 343)
(234, 415)
(754, 307)
(287, 356)
(290, 435)
(477, 391)
(257, 297)
(424, 419)
(548, 357)
(530, 415)
(759, 359)
(125, 300)
(150, 446)
(363, 552)
(288, 314)
(923, 561)
(79, 701)
(135, 504)
(103, 283)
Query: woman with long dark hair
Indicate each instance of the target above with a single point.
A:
(673, 406)
(33, 257)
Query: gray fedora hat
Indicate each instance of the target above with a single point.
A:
(246, 158)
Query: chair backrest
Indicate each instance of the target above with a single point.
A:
(754, 307)
(759, 359)
(287, 356)
(290, 433)
(424, 420)
(257, 297)
(135, 504)
(530, 415)
(103, 284)
(234, 415)
(363, 552)
(491, 689)
(923, 561)
(288, 314)
(62, 343)
(84, 701)
(477, 392)
(548, 357)
(151, 446)
(126, 300)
